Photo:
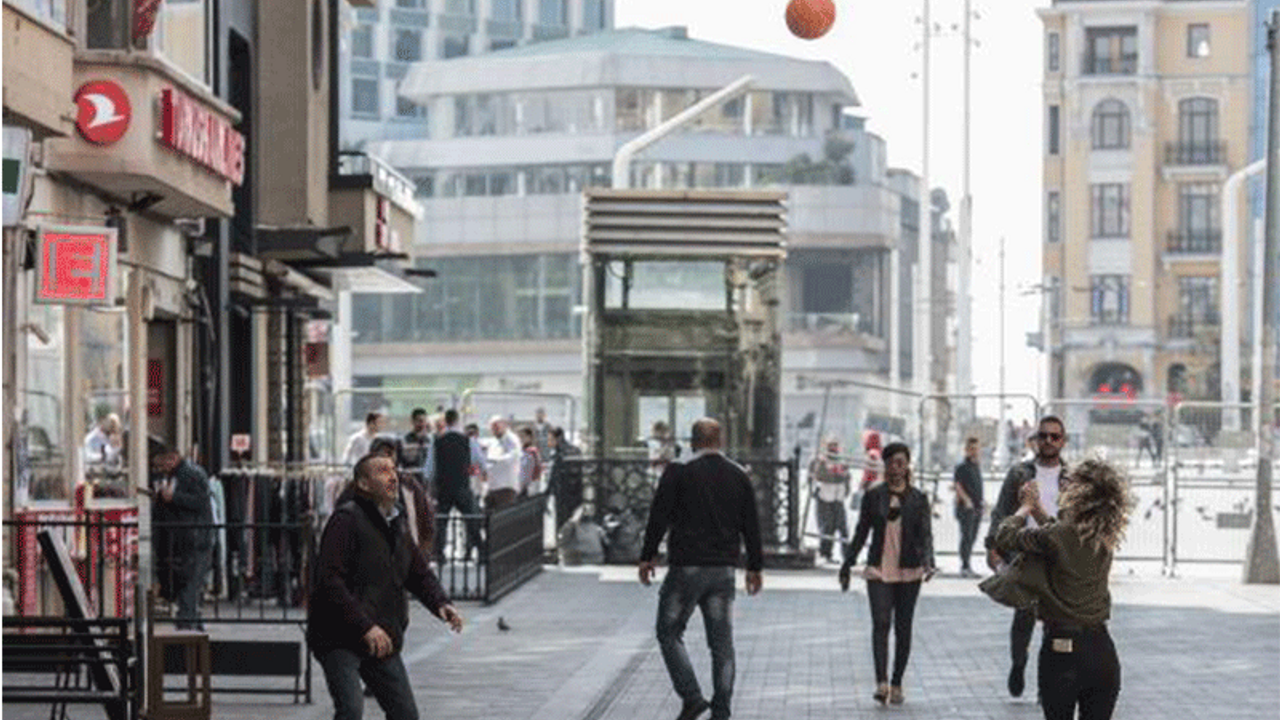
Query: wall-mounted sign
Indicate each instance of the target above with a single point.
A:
(155, 387)
(240, 443)
(103, 112)
(144, 18)
(195, 131)
(17, 173)
(76, 266)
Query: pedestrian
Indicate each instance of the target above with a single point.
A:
(453, 455)
(873, 464)
(1079, 667)
(530, 463)
(832, 488)
(541, 432)
(709, 507)
(184, 515)
(415, 447)
(662, 448)
(565, 478)
(103, 443)
(358, 444)
(479, 473)
(1045, 469)
(898, 517)
(968, 490)
(503, 466)
(357, 613)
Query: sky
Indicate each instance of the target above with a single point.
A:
(876, 44)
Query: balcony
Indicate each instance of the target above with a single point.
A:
(1122, 65)
(1195, 153)
(38, 86)
(1191, 326)
(829, 323)
(1194, 242)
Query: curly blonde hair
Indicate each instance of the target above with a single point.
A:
(1096, 501)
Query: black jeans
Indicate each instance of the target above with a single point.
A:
(462, 499)
(1024, 626)
(891, 603)
(189, 581)
(832, 521)
(1087, 676)
(969, 520)
(709, 588)
(387, 679)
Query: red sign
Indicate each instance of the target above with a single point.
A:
(144, 17)
(155, 387)
(240, 443)
(104, 112)
(191, 129)
(77, 266)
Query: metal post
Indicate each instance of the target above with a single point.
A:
(1261, 562)
(923, 310)
(1000, 440)
(964, 340)
(1231, 316)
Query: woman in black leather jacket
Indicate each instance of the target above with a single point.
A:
(898, 517)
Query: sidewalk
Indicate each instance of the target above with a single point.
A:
(581, 647)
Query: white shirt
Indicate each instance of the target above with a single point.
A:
(98, 447)
(1047, 480)
(504, 462)
(357, 447)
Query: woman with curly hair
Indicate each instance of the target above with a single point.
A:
(1078, 662)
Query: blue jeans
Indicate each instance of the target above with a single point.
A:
(387, 679)
(711, 589)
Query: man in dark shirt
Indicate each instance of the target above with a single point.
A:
(452, 456)
(358, 612)
(415, 447)
(710, 508)
(968, 489)
(184, 512)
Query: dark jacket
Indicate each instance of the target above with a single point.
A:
(969, 476)
(453, 462)
(917, 528)
(190, 506)
(363, 569)
(422, 502)
(710, 508)
(1007, 504)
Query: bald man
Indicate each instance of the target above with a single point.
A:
(710, 508)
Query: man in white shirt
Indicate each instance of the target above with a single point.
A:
(100, 444)
(358, 445)
(504, 465)
(1046, 470)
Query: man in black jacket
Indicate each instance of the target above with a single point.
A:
(710, 508)
(1047, 469)
(182, 499)
(358, 612)
(453, 454)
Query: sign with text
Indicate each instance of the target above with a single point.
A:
(76, 265)
(195, 131)
(240, 443)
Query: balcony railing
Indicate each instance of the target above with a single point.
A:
(1195, 153)
(1190, 325)
(1194, 242)
(1123, 65)
(829, 323)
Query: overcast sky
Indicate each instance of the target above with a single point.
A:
(875, 43)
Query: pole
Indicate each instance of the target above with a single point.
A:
(1261, 563)
(1000, 423)
(924, 281)
(1231, 316)
(964, 339)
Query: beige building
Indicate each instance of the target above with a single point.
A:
(1147, 107)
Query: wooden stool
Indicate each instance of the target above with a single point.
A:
(198, 661)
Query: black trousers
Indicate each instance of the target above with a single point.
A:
(969, 520)
(1024, 626)
(1078, 669)
(891, 604)
(832, 522)
(448, 498)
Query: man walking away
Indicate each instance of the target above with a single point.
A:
(968, 490)
(453, 455)
(1046, 469)
(358, 612)
(182, 497)
(710, 508)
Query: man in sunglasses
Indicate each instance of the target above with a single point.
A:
(1046, 469)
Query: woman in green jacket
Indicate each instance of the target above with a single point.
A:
(1078, 662)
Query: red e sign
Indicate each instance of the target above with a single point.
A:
(77, 266)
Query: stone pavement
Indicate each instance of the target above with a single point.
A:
(581, 647)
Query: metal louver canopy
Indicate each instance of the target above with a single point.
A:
(692, 223)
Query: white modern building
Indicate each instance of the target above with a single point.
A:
(512, 137)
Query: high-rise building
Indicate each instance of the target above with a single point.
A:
(1146, 115)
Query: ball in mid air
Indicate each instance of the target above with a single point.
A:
(810, 19)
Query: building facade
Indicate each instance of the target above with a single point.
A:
(1147, 113)
(514, 136)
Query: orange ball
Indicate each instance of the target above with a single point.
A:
(810, 19)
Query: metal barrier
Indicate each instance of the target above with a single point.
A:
(514, 553)
(72, 651)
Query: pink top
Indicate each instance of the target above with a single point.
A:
(889, 570)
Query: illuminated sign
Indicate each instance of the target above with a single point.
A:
(76, 266)
(193, 130)
(103, 112)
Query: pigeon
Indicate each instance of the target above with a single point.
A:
(502, 624)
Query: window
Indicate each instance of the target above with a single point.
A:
(1053, 217)
(1110, 125)
(424, 186)
(1111, 50)
(1198, 41)
(1198, 217)
(1198, 299)
(455, 46)
(495, 45)
(593, 12)
(411, 3)
(460, 7)
(1054, 139)
(364, 96)
(408, 45)
(182, 34)
(553, 12)
(1110, 211)
(362, 41)
(1198, 131)
(409, 109)
(506, 10)
(1053, 52)
(1109, 296)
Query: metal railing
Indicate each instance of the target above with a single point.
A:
(1191, 326)
(1123, 65)
(1195, 153)
(72, 656)
(1194, 242)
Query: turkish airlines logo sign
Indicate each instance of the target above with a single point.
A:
(191, 129)
(77, 265)
(104, 112)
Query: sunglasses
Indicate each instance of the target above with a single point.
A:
(1051, 436)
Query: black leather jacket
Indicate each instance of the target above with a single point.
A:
(917, 528)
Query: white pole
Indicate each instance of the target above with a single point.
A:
(1229, 348)
(1001, 439)
(924, 300)
(1259, 256)
(964, 339)
(895, 326)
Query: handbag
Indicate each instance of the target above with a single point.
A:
(1021, 584)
